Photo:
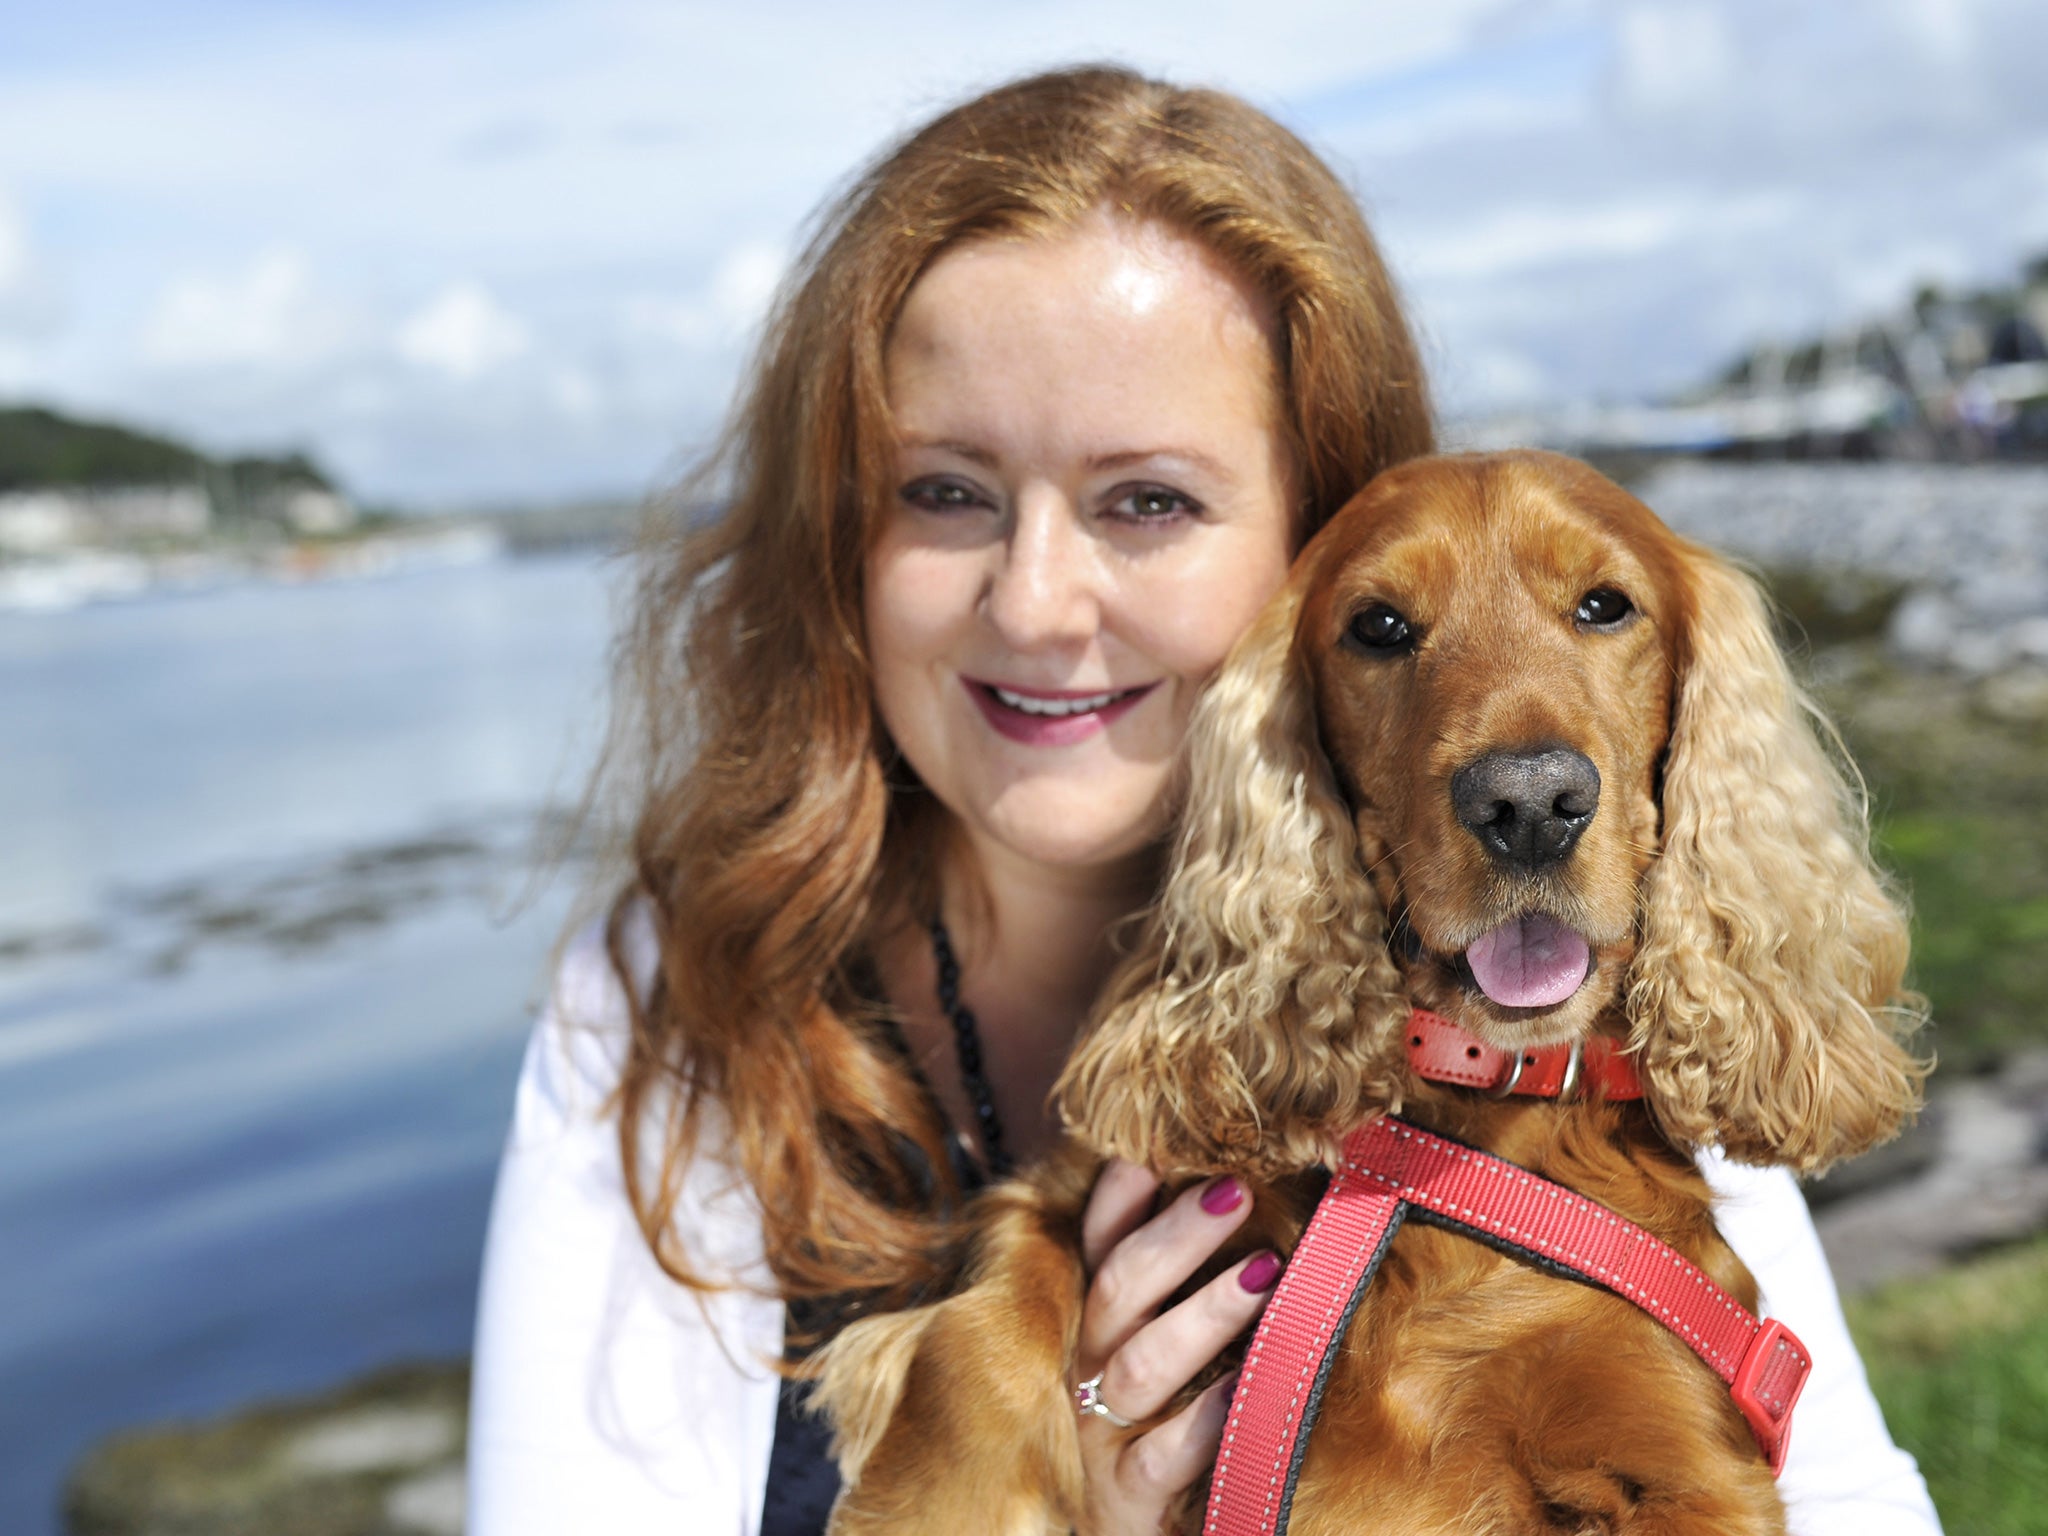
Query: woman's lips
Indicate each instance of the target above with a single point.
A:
(1051, 717)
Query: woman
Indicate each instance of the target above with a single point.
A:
(1049, 404)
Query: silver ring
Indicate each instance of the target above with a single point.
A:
(1571, 1069)
(1088, 1399)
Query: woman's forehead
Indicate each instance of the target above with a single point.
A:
(1102, 342)
(1106, 269)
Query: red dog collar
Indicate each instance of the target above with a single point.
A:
(1443, 1052)
(1392, 1169)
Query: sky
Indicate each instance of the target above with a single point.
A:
(500, 252)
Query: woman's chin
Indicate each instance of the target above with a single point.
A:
(1072, 828)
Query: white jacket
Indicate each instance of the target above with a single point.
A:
(608, 1398)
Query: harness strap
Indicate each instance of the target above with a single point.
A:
(1390, 1166)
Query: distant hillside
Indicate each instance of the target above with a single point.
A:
(40, 448)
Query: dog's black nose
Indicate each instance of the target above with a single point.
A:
(1527, 808)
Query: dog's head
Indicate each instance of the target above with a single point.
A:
(1506, 747)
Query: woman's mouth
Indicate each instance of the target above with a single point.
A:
(1050, 717)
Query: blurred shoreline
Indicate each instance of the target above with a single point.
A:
(60, 582)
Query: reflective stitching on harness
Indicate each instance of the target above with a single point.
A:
(1352, 1227)
(1499, 1170)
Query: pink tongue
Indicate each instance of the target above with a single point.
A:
(1531, 962)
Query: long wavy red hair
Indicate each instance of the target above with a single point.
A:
(774, 841)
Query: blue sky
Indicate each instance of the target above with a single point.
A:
(475, 252)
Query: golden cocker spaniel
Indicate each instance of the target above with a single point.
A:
(1508, 749)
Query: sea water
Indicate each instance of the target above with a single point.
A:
(271, 934)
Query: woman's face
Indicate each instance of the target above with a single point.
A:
(1092, 502)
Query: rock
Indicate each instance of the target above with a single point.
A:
(1907, 1156)
(2018, 696)
(380, 1457)
(1978, 652)
(432, 1503)
(1966, 541)
(2030, 638)
(375, 1439)
(1987, 1184)
(1922, 627)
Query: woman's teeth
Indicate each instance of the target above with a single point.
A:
(1056, 708)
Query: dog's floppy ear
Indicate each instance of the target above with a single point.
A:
(1256, 1021)
(1767, 993)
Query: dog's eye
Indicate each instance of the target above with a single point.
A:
(1380, 628)
(1604, 607)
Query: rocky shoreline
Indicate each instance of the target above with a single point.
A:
(1963, 590)
(1975, 1178)
(382, 1456)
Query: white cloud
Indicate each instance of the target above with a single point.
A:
(1496, 378)
(1471, 115)
(14, 264)
(1947, 28)
(745, 282)
(269, 314)
(1674, 55)
(576, 394)
(726, 310)
(1514, 239)
(463, 333)
(17, 368)
(29, 307)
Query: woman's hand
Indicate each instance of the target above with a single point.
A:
(1144, 1356)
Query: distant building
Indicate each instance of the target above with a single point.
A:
(69, 484)
(39, 522)
(1949, 375)
(309, 511)
(58, 518)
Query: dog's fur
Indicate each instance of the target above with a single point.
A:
(1742, 942)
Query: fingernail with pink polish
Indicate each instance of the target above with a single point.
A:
(1223, 1196)
(1261, 1273)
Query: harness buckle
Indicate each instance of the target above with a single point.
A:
(1767, 1384)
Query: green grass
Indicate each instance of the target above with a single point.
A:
(1980, 925)
(1959, 799)
(1960, 1363)
(1959, 796)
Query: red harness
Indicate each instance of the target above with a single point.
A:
(1391, 1168)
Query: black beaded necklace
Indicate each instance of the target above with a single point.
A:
(967, 1044)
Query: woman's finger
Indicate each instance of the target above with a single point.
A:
(1117, 1206)
(1154, 1261)
(1153, 1365)
(1159, 1464)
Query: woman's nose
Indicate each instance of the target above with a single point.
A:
(1042, 593)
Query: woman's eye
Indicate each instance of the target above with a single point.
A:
(1152, 503)
(1603, 607)
(940, 495)
(1381, 628)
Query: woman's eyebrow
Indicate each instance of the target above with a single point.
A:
(1193, 457)
(1100, 463)
(967, 451)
